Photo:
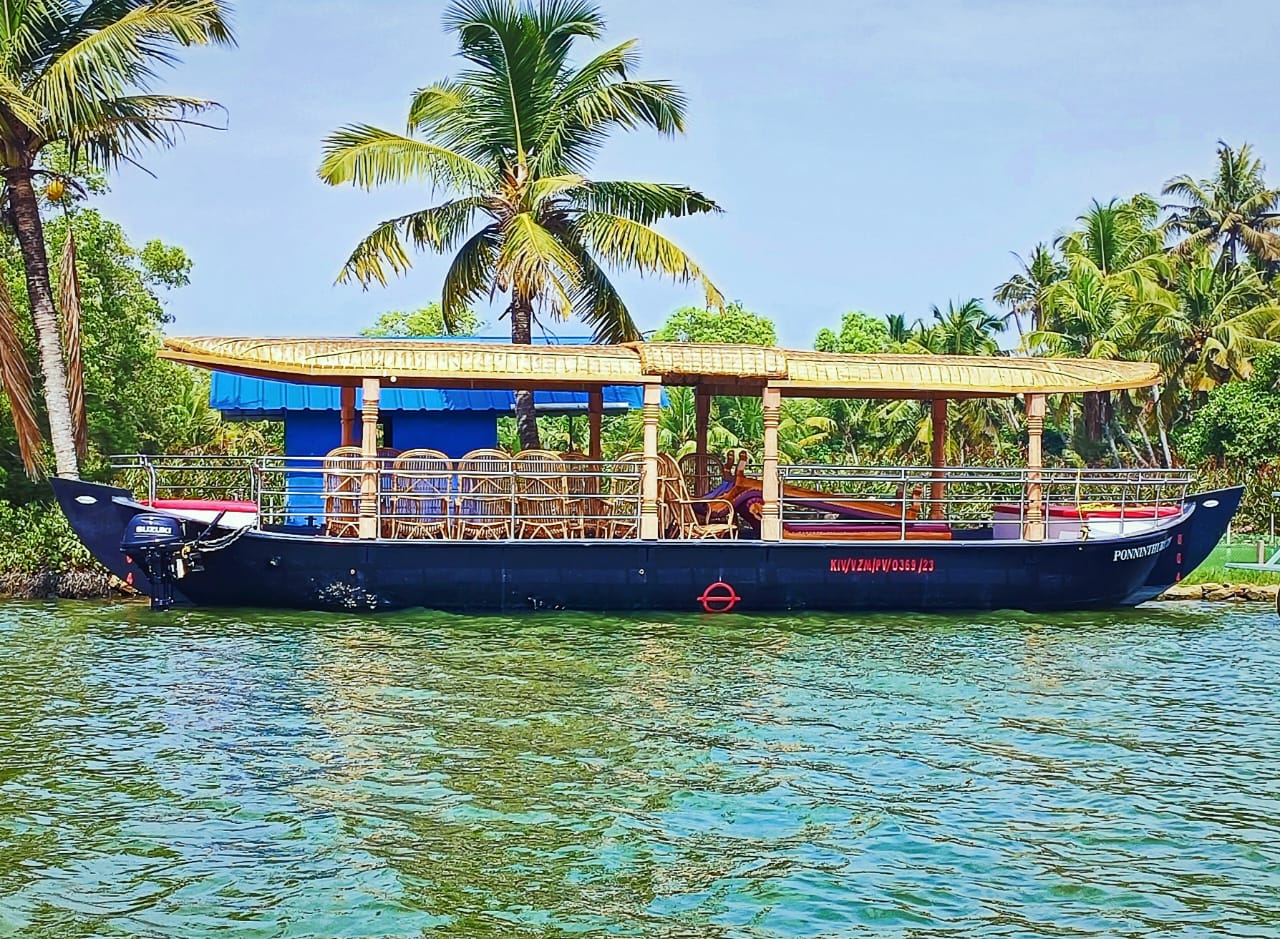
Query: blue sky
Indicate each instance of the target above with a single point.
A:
(882, 155)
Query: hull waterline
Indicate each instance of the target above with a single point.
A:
(266, 569)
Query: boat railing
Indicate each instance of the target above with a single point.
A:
(211, 476)
(496, 498)
(975, 503)
(501, 497)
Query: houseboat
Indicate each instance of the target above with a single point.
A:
(367, 526)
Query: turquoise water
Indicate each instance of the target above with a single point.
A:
(265, 774)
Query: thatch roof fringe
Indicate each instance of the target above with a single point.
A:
(421, 363)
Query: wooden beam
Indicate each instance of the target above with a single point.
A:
(348, 416)
(595, 423)
(938, 448)
(371, 476)
(770, 490)
(1035, 463)
(649, 521)
(702, 418)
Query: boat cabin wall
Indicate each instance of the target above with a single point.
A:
(315, 433)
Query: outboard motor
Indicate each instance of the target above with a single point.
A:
(156, 544)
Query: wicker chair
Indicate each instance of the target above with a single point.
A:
(689, 470)
(586, 510)
(620, 499)
(342, 471)
(542, 495)
(686, 517)
(486, 494)
(420, 495)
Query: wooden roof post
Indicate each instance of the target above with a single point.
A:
(595, 423)
(702, 417)
(938, 448)
(649, 526)
(1035, 463)
(770, 508)
(348, 416)
(371, 476)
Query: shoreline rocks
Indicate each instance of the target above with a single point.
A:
(1223, 592)
(96, 584)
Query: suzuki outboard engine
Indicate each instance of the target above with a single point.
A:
(156, 544)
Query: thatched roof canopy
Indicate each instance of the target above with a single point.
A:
(413, 362)
(717, 368)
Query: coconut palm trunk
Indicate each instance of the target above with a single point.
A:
(29, 230)
(522, 335)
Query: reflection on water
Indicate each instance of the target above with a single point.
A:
(1005, 774)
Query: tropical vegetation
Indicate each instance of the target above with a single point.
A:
(511, 139)
(76, 80)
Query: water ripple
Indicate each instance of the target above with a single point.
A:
(287, 775)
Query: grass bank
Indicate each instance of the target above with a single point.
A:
(1215, 571)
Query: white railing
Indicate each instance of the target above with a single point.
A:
(499, 497)
(962, 503)
(492, 497)
(187, 477)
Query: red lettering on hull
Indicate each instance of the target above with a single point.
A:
(883, 565)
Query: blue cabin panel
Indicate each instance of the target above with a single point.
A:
(455, 433)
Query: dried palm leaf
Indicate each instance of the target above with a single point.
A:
(69, 301)
(15, 377)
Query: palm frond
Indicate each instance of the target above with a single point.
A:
(70, 308)
(624, 243)
(599, 305)
(470, 274)
(545, 187)
(631, 104)
(15, 376)
(537, 263)
(367, 156)
(438, 229)
(515, 68)
(120, 55)
(561, 129)
(645, 203)
(123, 127)
(434, 106)
(21, 105)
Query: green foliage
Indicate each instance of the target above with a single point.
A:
(164, 265)
(427, 321)
(859, 333)
(734, 324)
(135, 401)
(36, 538)
(1239, 421)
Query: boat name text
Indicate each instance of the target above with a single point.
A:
(1132, 554)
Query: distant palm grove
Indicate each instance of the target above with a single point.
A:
(502, 151)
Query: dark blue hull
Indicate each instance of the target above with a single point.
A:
(265, 569)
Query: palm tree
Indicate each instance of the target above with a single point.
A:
(967, 329)
(1233, 210)
(899, 332)
(1116, 269)
(1021, 294)
(78, 74)
(1217, 325)
(512, 137)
